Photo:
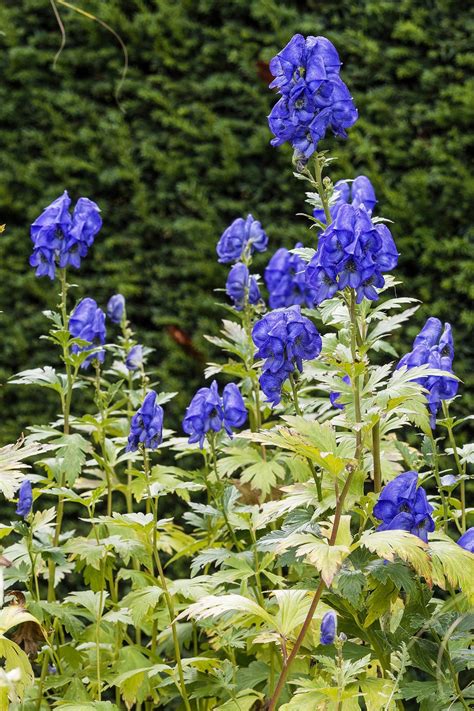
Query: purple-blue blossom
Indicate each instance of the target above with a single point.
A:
(240, 239)
(285, 278)
(87, 322)
(352, 252)
(134, 359)
(357, 192)
(466, 541)
(61, 240)
(284, 339)
(403, 506)
(434, 347)
(146, 427)
(242, 286)
(328, 629)
(25, 499)
(209, 412)
(116, 308)
(314, 99)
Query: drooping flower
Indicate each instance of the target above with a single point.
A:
(352, 252)
(284, 339)
(116, 308)
(25, 499)
(209, 412)
(241, 285)
(314, 97)
(242, 236)
(146, 427)
(358, 192)
(285, 279)
(134, 358)
(328, 628)
(466, 541)
(434, 347)
(87, 322)
(403, 506)
(61, 240)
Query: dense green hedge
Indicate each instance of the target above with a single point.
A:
(190, 152)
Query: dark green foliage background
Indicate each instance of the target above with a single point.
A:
(190, 152)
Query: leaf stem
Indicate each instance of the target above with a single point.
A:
(460, 468)
(376, 457)
(317, 479)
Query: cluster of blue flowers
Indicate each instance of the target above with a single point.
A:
(352, 252)
(356, 193)
(209, 412)
(314, 97)
(240, 239)
(403, 506)
(285, 278)
(87, 322)
(146, 427)
(241, 285)
(434, 347)
(284, 339)
(61, 240)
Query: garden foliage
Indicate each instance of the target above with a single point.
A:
(322, 557)
(189, 153)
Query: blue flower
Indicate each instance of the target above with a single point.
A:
(241, 286)
(314, 97)
(403, 506)
(466, 541)
(87, 322)
(352, 252)
(285, 279)
(116, 308)
(284, 339)
(146, 427)
(62, 240)
(434, 347)
(240, 238)
(358, 192)
(134, 358)
(25, 499)
(208, 412)
(328, 628)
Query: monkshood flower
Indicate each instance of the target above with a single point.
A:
(284, 339)
(209, 412)
(25, 499)
(241, 285)
(433, 347)
(285, 279)
(403, 506)
(242, 236)
(314, 97)
(134, 358)
(467, 540)
(146, 427)
(87, 322)
(334, 396)
(116, 308)
(62, 240)
(358, 192)
(328, 628)
(352, 252)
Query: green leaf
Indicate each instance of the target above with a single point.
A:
(140, 602)
(350, 584)
(326, 559)
(262, 474)
(452, 565)
(410, 548)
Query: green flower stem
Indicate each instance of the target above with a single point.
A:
(212, 443)
(168, 598)
(317, 596)
(320, 187)
(128, 491)
(34, 586)
(101, 435)
(460, 468)
(66, 408)
(438, 483)
(376, 457)
(317, 479)
(97, 632)
(260, 598)
(355, 379)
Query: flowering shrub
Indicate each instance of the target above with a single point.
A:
(324, 558)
